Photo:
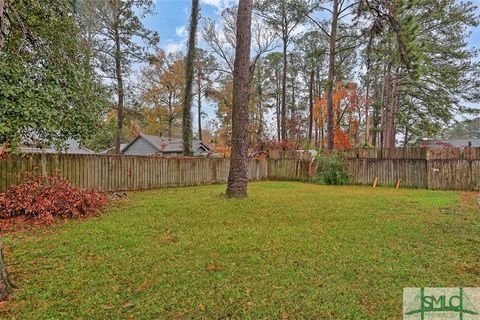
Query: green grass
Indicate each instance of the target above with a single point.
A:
(290, 250)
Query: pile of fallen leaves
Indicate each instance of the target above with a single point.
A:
(39, 199)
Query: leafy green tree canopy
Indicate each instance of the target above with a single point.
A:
(48, 92)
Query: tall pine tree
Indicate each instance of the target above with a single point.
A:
(189, 76)
(238, 174)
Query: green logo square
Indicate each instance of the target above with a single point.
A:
(441, 303)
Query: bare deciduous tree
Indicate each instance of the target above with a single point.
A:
(222, 42)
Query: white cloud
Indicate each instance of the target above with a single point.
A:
(172, 47)
(220, 4)
(181, 31)
(300, 29)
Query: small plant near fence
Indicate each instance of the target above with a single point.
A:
(332, 169)
(47, 197)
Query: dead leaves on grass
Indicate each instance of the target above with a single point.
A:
(22, 223)
(211, 267)
(169, 238)
(143, 286)
(472, 268)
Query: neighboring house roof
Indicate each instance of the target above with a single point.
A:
(168, 145)
(450, 143)
(112, 149)
(71, 147)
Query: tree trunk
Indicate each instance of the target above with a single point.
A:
(405, 137)
(367, 118)
(199, 105)
(367, 94)
(284, 91)
(310, 110)
(170, 126)
(5, 286)
(189, 75)
(293, 109)
(170, 115)
(388, 110)
(238, 174)
(2, 4)
(120, 92)
(376, 109)
(394, 102)
(279, 114)
(260, 121)
(331, 78)
(381, 115)
(260, 111)
(375, 123)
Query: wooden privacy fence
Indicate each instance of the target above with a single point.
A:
(448, 174)
(416, 168)
(442, 169)
(412, 173)
(115, 173)
(416, 153)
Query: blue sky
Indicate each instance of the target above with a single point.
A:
(172, 16)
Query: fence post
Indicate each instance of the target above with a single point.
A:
(43, 164)
(427, 168)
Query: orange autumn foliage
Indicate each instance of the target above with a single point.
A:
(223, 149)
(342, 139)
(320, 111)
(346, 105)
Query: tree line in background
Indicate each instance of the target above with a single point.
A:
(323, 74)
(364, 73)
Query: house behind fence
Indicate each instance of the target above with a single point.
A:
(144, 144)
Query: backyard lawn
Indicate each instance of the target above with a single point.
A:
(291, 250)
